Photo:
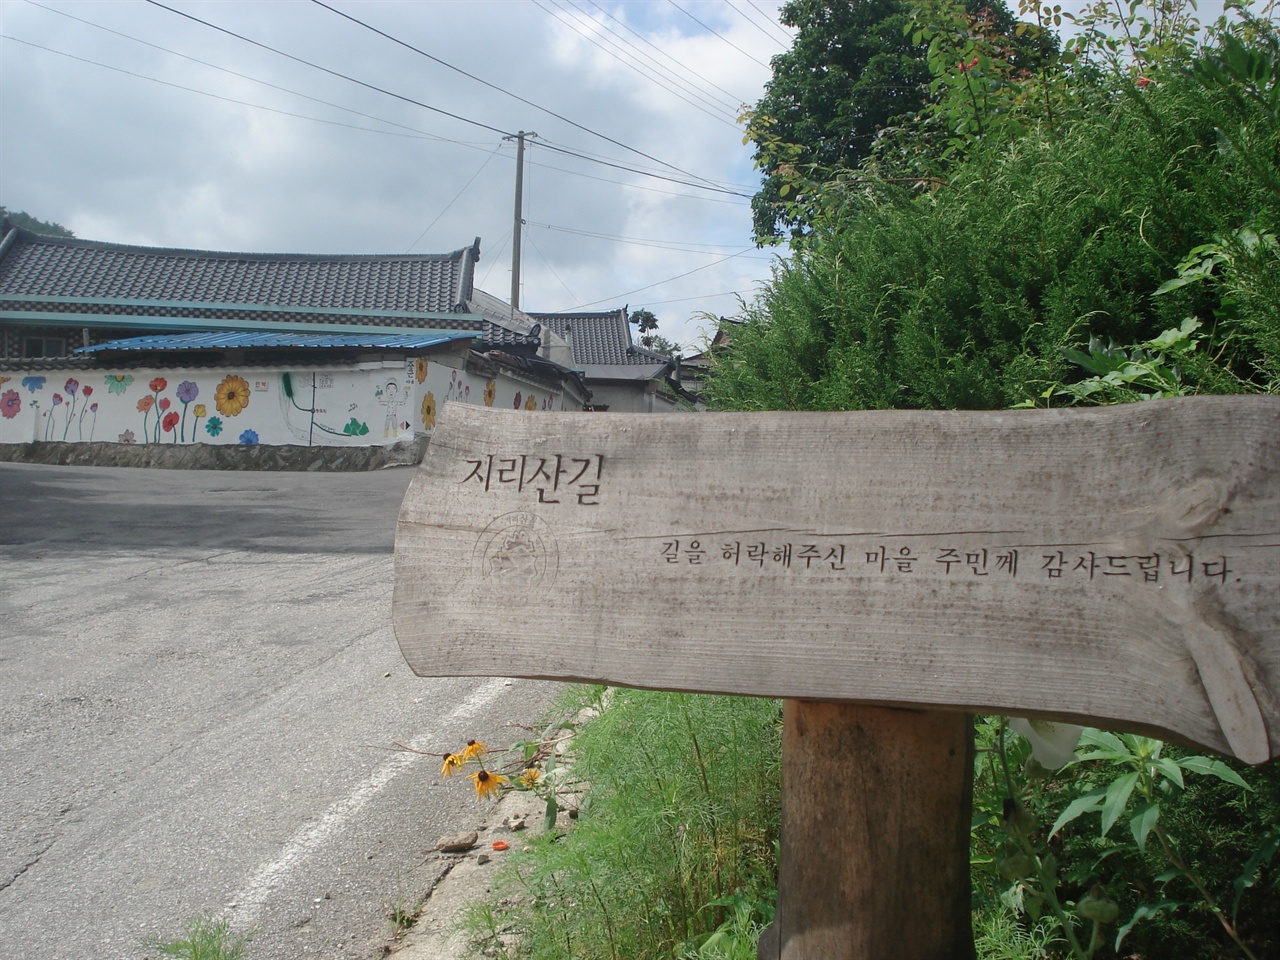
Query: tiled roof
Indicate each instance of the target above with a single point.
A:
(35, 265)
(499, 336)
(600, 338)
(309, 341)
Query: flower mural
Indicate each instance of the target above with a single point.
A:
(128, 437)
(231, 396)
(249, 438)
(531, 403)
(490, 392)
(516, 403)
(170, 421)
(48, 424)
(145, 406)
(87, 408)
(118, 383)
(213, 427)
(33, 383)
(158, 385)
(420, 369)
(10, 404)
(429, 410)
(92, 408)
(188, 391)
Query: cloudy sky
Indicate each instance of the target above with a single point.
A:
(291, 126)
(128, 122)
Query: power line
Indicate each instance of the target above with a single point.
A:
(543, 141)
(707, 185)
(630, 65)
(716, 33)
(548, 265)
(493, 86)
(332, 73)
(635, 186)
(787, 39)
(243, 76)
(772, 38)
(648, 286)
(412, 135)
(733, 101)
(448, 205)
(728, 102)
(701, 296)
(427, 106)
(679, 246)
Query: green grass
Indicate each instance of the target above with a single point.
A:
(205, 939)
(674, 843)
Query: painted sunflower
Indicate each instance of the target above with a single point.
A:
(429, 410)
(531, 403)
(420, 369)
(490, 392)
(231, 395)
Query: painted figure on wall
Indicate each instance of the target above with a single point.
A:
(393, 398)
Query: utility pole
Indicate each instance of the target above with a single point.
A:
(519, 219)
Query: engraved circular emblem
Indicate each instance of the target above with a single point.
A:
(518, 551)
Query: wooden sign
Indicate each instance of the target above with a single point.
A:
(1116, 566)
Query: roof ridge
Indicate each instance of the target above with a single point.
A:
(29, 236)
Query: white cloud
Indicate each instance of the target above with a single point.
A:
(125, 159)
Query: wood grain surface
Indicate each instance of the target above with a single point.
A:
(1118, 566)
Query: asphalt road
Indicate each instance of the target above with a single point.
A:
(198, 687)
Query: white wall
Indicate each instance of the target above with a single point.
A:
(378, 402)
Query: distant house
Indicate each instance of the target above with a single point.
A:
(695, 368)
(622, 377)
(131, 344)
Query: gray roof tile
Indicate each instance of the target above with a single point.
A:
(600, 338)
(35, 265)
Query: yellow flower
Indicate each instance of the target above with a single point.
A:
(473, 750)
(487, 783)
(420, 369)
(490, 392)
(531, 403)
(429, 410)
(231, 395)
(199, 410)
(530, 776)
(452, 764)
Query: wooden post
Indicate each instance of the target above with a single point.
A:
(886, 573)
(875, 835)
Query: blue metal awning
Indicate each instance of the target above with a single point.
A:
(312, 341)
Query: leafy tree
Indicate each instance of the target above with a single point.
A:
(24, 220)
(856, 69)
(1111, 233)
(647, 325)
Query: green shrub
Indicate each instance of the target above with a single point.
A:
(675, 839)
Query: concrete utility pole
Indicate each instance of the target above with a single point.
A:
(519, 219)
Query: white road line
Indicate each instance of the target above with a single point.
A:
(246, 907)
